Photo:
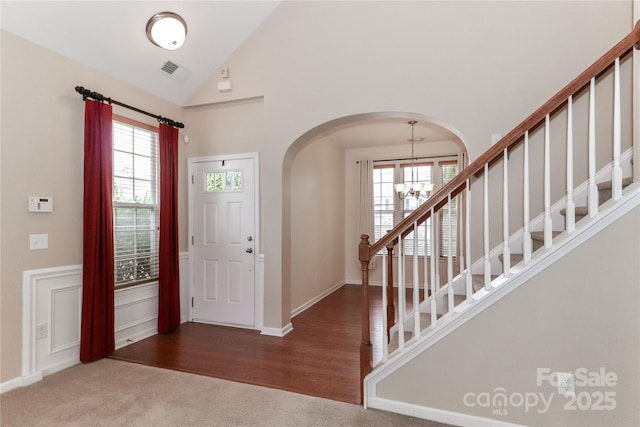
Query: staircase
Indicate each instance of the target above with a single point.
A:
(519, 210)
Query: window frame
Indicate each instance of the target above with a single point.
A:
(399, 210)
(153, 227)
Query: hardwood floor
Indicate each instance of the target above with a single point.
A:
(320, 357)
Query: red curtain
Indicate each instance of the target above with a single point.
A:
(169, 280)
(97, 337)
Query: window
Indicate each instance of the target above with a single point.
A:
(388, 209)
(447, 171)
(135, 202)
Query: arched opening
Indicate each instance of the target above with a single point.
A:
(320, 194)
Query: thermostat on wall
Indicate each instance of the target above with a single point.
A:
(40, 204)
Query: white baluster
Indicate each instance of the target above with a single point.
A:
(616, 175)
(506, 251)
(548, 226)
(385, 335)
(593, 187)
(487, 261)
(467, 240)
(434, 287)
(416, 284)
(435, 249)
(527, 244)
(449, 256)
(426, 262)
(402, 293)
(460, 248)
(570, 214)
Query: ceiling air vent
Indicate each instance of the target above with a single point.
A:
(174, 71)
(169, 67)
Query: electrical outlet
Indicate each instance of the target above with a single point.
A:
(566, 383)
(224, 73)
(42, 331)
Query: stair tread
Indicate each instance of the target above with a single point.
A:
(539, 235)
(515, 258)
(477, 281)
(606, 185)
(579, 211)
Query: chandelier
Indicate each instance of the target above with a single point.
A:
(414, 188)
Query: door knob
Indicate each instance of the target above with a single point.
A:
(249, 250)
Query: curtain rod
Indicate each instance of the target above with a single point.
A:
(415, 158)
(86, 93)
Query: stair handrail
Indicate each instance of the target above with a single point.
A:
(458, 183)
(440, 198)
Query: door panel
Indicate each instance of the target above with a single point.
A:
(223, 252)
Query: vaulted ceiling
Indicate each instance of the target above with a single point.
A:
(110, 36)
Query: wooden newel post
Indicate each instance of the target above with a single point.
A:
(365, 345)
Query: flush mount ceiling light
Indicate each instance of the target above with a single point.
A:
(167, 30)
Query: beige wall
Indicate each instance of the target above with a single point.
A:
(581, 312)
(480, 67)
(42, 155)
(317, 221)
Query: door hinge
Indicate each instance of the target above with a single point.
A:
(192, 241)
(193, 179)
(191, 301)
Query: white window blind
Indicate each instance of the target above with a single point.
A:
(135, 202)
(448, 170)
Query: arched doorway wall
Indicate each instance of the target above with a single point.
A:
(313, 215)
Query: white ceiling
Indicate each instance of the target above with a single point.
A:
(110, 36)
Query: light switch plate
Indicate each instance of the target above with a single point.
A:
(38, 241)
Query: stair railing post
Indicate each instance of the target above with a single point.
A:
(391, 309)
(365, 345)
(570, 210)
(616, 173)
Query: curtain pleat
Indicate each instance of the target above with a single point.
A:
(97, 338)
(169, 277)
(365, 220)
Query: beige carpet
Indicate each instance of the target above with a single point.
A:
(114, 393)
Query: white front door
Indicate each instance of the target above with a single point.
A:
(223, 241)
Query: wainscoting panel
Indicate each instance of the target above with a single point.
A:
(52, 308)
(185, 287)
(52, 300)
(136, 313)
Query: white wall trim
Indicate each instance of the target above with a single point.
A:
(277, 332)
(433, 414)
(316, 299)
(260, 293)
(610, 212)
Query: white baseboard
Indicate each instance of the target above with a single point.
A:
(433, 414)
(313, 301)
(277, 332)
(59, 367)
(15, 383)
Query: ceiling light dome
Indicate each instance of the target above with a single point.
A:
(167, 30)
